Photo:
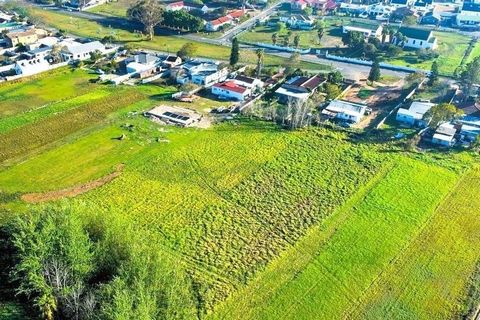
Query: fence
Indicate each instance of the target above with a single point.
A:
(280, 48)
(369, 63)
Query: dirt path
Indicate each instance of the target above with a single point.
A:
(38, 197)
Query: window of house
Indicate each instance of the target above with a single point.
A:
(413, 42)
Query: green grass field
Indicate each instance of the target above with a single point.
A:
(28, 94)
(250, 221)
(116, 8)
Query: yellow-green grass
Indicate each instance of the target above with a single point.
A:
(116, 8)
(33, 92)
(82, 160)
(329, 271)
(91, 29)
(475, 52)
(430, 279)
(451, 49)
(22, 141)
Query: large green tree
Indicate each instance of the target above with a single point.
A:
(433, 74)
(235, 52)
(442, 112)
(353, 39)
(375, 73)
(470, 77)
(148, 12)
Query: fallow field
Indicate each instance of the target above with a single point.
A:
(243, 220)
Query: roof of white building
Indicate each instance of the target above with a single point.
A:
(80, 48)
(417, 109)
(346, 107)
(33, 66)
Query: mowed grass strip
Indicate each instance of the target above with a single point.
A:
(23, 140)
(9, 123)
(430, 280)
(362, 247)
(33, 92)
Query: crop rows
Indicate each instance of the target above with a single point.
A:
(25, 139)
(231, 200)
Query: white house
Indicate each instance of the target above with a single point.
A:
(298, 21)
(414, 115)
(31, 67)
(445, 135)
(368, 30)
(298, 89)
(216, 24)
(469, 128)
(417, 38)
(231, 90)
(469, 15)
(401, 3)
(74, 51)
(203, 73)
(345, 110)
(248, 82)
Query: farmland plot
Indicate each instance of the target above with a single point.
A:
(231, 199)
(430, 279)
(37, 91)
(360, 247)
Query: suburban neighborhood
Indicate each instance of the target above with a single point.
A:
(256, 159)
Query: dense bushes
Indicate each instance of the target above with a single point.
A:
(72, 269)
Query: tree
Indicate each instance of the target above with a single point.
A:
(433, 74)
(54, 261)
(280, 26)
(470, 76)
(320, 33)
(369, 50)
(181, 19)
(286, 40)
(335, 77)
(274, 38)
(441, 113)
(308, 11)
(353, 39)
(260, 54)
(332, 90)
(234, 53)
(95, 56)
(374, 74)
(409, 20)
(385, 33)
(149, 13)
(187, 51)
(296, 40)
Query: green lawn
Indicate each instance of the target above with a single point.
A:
(34, 92)
(451, 49)
(117, 8)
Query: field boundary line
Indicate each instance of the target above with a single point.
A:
(348, 314)
(325, 229)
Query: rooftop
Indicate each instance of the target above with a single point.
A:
(230, 86)
(341, 106)
(360, 25)
(414, 33)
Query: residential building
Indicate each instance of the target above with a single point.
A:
(171, 61)
(298, 5)
(216, 24)
(368, 30)
(200, 72)
(417, 38)
(31, 67)
(469, 15)
(231, 90)
(24, 37)
(469, 128)
(74, 51)
(445, 135)
(298, 21)
(298, 89)
(401, 3)
(143, 65)
(345, 110)
(175, 6)
(415, 114)
(431, 18)
(248, 82)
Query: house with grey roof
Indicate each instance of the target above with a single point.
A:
(416, 38)
(75, 51)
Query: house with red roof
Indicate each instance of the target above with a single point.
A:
(231, 90)
(215, 25)
(175, 6)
